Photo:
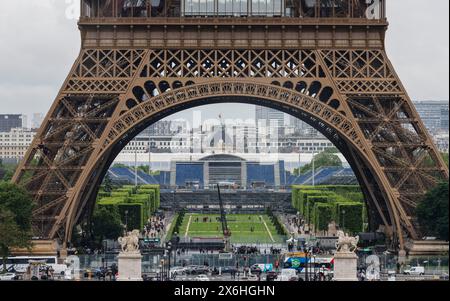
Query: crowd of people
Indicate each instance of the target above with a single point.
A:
(155, 227)
(296, 224)
(246, 250)
(253, 250)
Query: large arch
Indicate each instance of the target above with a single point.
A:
(352, 96)
(316, 112)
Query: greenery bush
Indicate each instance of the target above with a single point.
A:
(135, 217)
(323, 215)
(178, 222)
(311, 200)
(432, 212)
(352, 220)
(324, 159)
(146, 196)
(120, 194)
(324, 202)
(281, 230)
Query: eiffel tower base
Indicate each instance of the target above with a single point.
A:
(39, 248)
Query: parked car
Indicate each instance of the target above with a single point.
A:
(252, 277)
(8, 277)
(228, 270)
(415, 271)
(197, 270)
(176, 271)
(256, 269)
(202, 278)
(391, 276)
(288, 275)
(271, 276)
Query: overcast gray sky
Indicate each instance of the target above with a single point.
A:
(38, 45)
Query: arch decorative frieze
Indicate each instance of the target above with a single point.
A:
(172, 98)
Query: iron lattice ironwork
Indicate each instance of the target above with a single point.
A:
(332, 73)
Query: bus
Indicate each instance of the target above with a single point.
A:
(20, 264)
(297, 261)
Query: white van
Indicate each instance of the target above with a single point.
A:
(415, 271)
(288, 275)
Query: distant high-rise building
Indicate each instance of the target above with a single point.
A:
(434, 115)
(301, 127)
(164, 128)
(11, 121)
(269, 115)
(37, 120)
(270, 118)
(14, 143)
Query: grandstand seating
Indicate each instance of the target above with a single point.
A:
(260, 173)
(257, 173)
(127, 175)
(325, 176)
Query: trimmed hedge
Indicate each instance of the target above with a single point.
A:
(110, 201)
(281, 230)
(320, 205)
(120, 194)
(352, 221)
(312, 200)
(323, 215)
(303, 198)
(143, 202)
(135, 217)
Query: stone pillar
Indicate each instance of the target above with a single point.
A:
(130, 266)
(401, 257)
(345, 266)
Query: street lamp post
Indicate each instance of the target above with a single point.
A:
(176, 249)
(343, 220)
(169, 251)
(313, 170)
(126, 220)
(105, 246)
(306, 262)
(299, 161)
(165, 268)
(314, 267)
(135, 164)
(149, 154)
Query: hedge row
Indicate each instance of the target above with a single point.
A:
(281, 230)
(320, 205)
(140, 203)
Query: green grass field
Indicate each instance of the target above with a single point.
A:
(240, 226)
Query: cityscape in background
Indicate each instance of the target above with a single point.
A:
(280, 137)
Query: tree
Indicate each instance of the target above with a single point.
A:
(11, 234)
(6, 171)
(15, 199)
(432, 212)
(106, 223)
(119, 165)
(15, 218)
(324, 159)
(445, 157)
(108, 183)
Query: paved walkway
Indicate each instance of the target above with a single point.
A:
(169, 217)
(188, 225)
(267, 228)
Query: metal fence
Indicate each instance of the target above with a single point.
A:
(151, 263)
(434, 265)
